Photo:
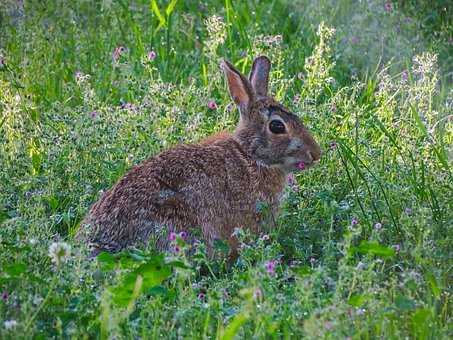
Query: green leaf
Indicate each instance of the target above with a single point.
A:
(374, 248)
(153, 272)
(171, 7)
(357, 300)
(302, 271)
(421, 315)
(16, 269)
(178, 264)
(433, 284)
(403, 303)
(233, 328)
(157, 291)
(106, 261)
(160, 17)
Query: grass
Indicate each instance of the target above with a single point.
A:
(363, 244)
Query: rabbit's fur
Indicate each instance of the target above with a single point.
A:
(216, 185)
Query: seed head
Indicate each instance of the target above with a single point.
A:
(59, 252)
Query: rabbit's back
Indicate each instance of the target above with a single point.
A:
(214, 186)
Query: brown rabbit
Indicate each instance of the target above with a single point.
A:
(216, 185)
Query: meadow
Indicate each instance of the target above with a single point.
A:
(363, 244)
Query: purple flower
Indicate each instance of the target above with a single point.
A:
(201, 296)
(183, 235)
(332, 145)
(270, 267)
(176, 249)
(301, 166)
(378, 226)
(5, 296)
(312, 260)
(212, 105)
(94, 114)
(172, 236)
(328, 325)
(354, 221)
(78, 76)
(388, 6)
(408, 211)
(396, 247)
(257, 294)
(404, 76)
(118, 52)
(151, 55)
(354, 40)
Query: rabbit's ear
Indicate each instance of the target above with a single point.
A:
(259, 76)
(240, 88)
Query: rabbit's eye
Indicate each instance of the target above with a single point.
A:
(277, 127)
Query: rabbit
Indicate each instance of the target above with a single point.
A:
(216, 185)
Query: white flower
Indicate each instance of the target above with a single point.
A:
(10, 324)
(59, 252)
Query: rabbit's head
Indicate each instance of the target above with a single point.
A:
(267, 130)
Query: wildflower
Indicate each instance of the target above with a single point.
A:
(5, 296)
(265, 237)
(312, 260)
(296, 99)
(408, 211)
(257, 294)
(128, 106)
(183, 235)
(354, 40)
(94, 114)
(396, 247)
(404, 76)
(328, 325)
(333, 108)
(301, 166)
(212, 105)
(378, 226)
(270, 267)
(59, 252)
(332, 145)
(354, 221)
(301, 75)
(176, 249)
(388, 6)
(78, 76)
(117, 53)
(10, 324)
(2, 62)
(360, 311)
(33, 241)
(172, 236)
(151, 55)
(81, 78)
(201, 296)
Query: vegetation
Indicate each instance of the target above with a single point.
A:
(363, 244)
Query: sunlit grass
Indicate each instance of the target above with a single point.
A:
(88, 89)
